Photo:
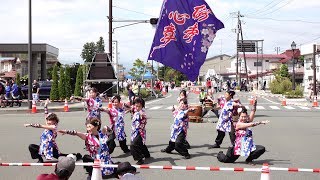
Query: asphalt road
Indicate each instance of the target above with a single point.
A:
(291, 140)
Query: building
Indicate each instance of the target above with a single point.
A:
(14, 59)
(218, 63)
(307, 53)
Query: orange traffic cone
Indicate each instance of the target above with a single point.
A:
(110, 105)
(251, 100)
(315, 102)
(66, 107)
(96, 172)
(265, 173)
(34, 107)
(284, 102)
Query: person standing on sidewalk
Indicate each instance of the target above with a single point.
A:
(35, 91)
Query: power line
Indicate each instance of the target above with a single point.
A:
(257, 11)
(133, 11)
(290, 1)
(265, 10)
(288, 20)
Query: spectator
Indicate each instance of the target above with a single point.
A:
(208, 84)
(2, 95)
(15, 92)
(126, 171)
(35, 90)
(131, 94)
(7, 95)
(63, 169)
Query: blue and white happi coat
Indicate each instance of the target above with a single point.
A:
(180, 124)
(225, 119)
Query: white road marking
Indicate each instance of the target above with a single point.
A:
(156, 107)
(302, 107)
(153, 101)
(170, 107)
(288, 107)
(247, 107)
(260, 107)
(270, 100)
(274, 107)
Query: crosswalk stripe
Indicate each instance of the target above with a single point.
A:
(274, 107)
(260, 107)
(302, 107)
(170, 107)
(288, 107)
(317, 107)
(156, 107)
(247, 107)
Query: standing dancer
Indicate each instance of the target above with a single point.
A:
(96, 144)
(116, 114)
(244, 145)
(94, 103)
(138, 147)
(182, 96)
(225, 121)
(178, 131)
(48, 146)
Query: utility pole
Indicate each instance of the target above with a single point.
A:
(237, 31)
(277, 49)
(244, 56)
(314, 71)
(30, 73)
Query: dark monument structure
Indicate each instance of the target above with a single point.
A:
(101, 74)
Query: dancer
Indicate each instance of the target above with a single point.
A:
(117, 124)
(182, 95)
(225, 120)
(96, 144)
(178, 131)
(48, 147)
(138, 147)
(94, 103)
(244, 145)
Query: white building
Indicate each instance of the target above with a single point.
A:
(307, 52)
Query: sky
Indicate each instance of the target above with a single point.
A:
(69, 24)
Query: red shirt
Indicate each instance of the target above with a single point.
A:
(47, 177)
(208, 83)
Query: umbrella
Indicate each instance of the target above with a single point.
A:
(128, 76)
(148, 75)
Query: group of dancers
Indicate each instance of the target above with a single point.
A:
(100, 140)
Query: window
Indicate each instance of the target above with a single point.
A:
(257, 63)
(267, 60)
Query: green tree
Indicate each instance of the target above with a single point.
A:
(138, 69)
(284, 72)
(54, 93)
(68, 87)
(79, 82)
(100, 46)
(88, 51)
(61, 85)
(18, 79)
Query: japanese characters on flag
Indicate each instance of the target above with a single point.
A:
(185, 31)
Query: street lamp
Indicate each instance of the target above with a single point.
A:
(293, 47)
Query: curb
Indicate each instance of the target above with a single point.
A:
(28, 111)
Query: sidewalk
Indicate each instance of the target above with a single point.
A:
(53, 107)
(289, 101)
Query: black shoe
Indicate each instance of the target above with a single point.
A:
(214, 146)
(187, 156)
(127, 151)
(147, 156)
(141, 161)
(78, 156)
(165, 151)
(40, 160)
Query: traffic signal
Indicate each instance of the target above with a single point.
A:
(154, 21)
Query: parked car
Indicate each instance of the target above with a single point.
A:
(44, 92)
